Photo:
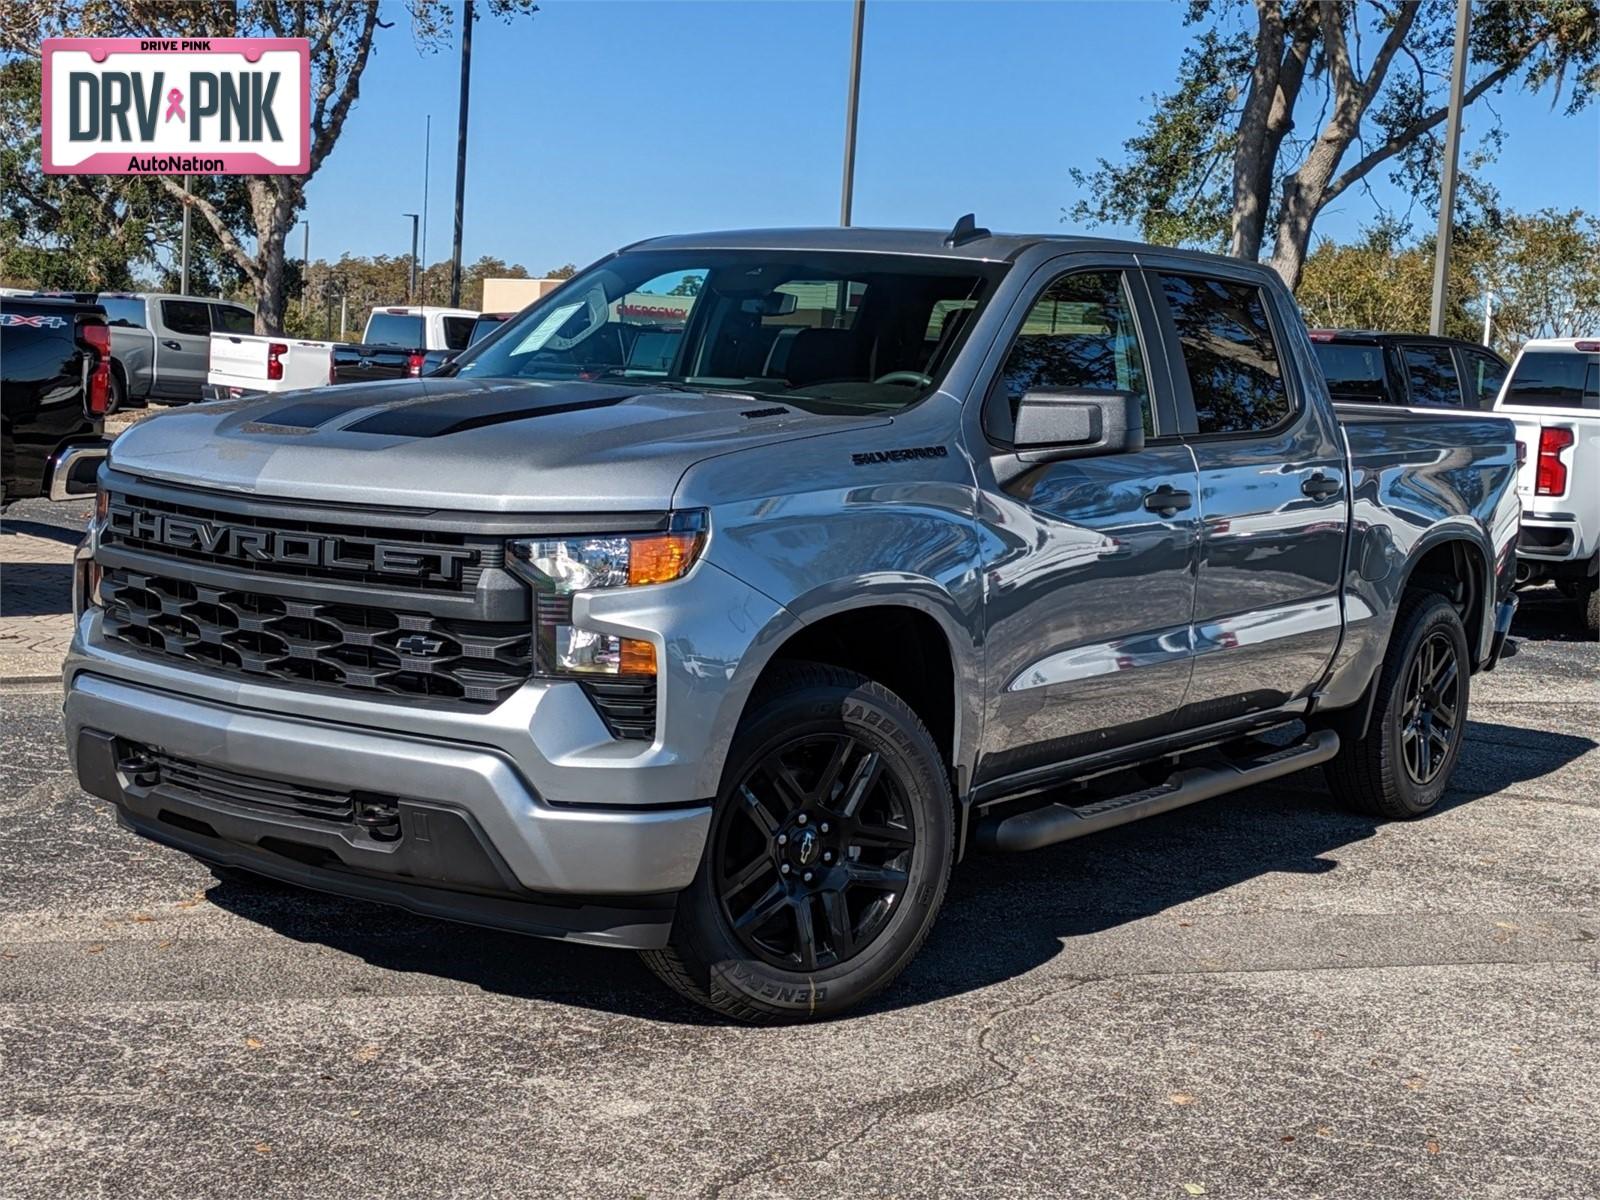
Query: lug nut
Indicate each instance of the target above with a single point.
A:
(801, 819)
(827, 856)
(784, 869)
(807, 877)
(783, 839)
(824, 827)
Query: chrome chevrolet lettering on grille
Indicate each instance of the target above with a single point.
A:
(249, 543)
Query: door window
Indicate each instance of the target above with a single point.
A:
(186, 317)
(457, 332)
(1235, 373)
(1078, 336)
(1431, 371)
(230, 318)
(1485, 374)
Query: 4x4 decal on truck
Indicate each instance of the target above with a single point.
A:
(906, 454)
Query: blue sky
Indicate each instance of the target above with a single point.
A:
(598, 122)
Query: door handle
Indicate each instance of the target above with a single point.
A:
(1320, 487)
(170, 344)
(1166, 501)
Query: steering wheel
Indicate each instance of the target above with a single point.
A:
(908, 378)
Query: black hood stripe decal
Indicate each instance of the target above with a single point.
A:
(457, 414)
(308, 414)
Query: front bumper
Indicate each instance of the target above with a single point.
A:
(483, 833)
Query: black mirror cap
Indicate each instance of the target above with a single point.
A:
(1053, 425)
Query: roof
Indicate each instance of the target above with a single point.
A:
(1589, 343)
(989, 247)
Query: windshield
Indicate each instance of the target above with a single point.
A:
(826, 331)
(1555, 379)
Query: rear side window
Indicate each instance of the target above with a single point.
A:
(1235, 374)
(484, 326)
(123, 310)
(457, 332)
(230, 318)
(1485, 374)
(1556, 379)
(186, 316)
(1079, 336)
(395, 329)
(1431, 372)
(1354, 371)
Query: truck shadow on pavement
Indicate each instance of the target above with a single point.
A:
(35, 579)
(1004, 916)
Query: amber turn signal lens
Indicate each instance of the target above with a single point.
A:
(661, 558)
(636, 657)
(102, 503)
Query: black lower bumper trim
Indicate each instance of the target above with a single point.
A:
(442, 865)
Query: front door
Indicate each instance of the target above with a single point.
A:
(1272, 498)
(1089, 588)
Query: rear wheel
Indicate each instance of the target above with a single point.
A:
(1589, 604)
(828, 854)
(1403, 765)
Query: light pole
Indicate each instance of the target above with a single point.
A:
(1447, 175)
(461, 150)
(411, 284)
(427, 151)
(852, 103)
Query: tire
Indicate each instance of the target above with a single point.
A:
(1379, 775)
(1588, 598)
(832, 776)
(118, 398)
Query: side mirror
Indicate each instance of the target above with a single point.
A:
(1076, 424)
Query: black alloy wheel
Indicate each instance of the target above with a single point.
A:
(815, 852)
(1431, 717)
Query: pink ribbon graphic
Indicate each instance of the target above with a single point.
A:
(175, 106)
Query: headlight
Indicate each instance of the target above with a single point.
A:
(560, 567)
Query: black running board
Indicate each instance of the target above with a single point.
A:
(1053, 823)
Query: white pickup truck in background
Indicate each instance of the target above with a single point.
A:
(1553, 396)
(243, 364)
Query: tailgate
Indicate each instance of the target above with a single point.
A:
(357, 364)
(237, 360)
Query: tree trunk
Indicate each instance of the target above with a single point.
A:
(1249, 197)
(274, 199)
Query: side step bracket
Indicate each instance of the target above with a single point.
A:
(1053, 823)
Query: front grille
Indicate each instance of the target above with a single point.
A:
(627, 706)
(354, 646)
(267, 543)
(154, 768)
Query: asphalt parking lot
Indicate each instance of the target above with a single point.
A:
(1261, 996)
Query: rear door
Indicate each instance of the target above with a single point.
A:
(1087, 601)
(1272, 503)
(183, 336)
(1431, 374)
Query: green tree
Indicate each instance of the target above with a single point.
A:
(565, 271)
(1543, 269)
(1283, 106)
(341, 34)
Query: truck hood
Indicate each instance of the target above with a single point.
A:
(493, 445)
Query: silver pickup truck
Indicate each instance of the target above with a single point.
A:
(718, 603)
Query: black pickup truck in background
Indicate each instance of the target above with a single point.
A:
(402, 343)
(55, 391)
(1412, 370)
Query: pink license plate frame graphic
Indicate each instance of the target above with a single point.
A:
(220, 161)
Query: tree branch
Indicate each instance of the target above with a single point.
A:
(1410, 134)
(1391, 44)
(206, 209)
(327, 125)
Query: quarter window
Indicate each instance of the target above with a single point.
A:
(1431, 371)
(1485, 374)
(1079, 336)
(1235, 373)
(230, 318)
